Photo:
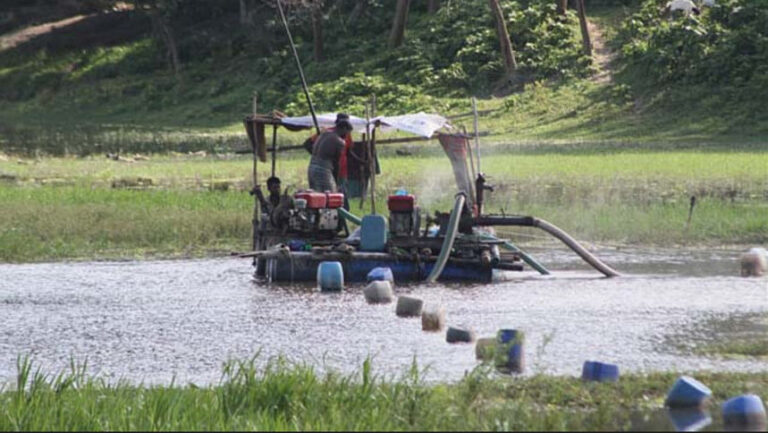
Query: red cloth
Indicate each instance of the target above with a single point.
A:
(343, 157)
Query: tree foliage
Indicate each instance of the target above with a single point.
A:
(726, 44)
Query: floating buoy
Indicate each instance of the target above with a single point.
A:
(485, 348)
(381, 274)
(330, 276)
(510, 356)
(379, 292)
(600, 371)
(745, 411)
(456, 334)
(754, 263)
(408, 306)
(687, 392)
(689, 419)
(433, 318)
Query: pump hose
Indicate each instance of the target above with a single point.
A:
(576, 247)
(350, 217)
(450, 237)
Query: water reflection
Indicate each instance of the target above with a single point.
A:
(689, 419)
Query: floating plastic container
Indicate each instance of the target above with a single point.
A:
(600, 371)
(334, 200)
(745, 411)
(510, 357)
(381, 274)
(485, 348)
(689, 419)
(408, 306)
(687, 392)
(330, 276)
(401, 203)
(315, 200)
(373, 233)
(456, 334)
(433, 318)
(379, 292)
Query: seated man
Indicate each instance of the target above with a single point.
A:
(323, 168)
(268, 205)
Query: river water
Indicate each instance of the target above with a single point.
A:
(154, 321)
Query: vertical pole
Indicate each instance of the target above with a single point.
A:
(255, 175)
(371, 162)
(274, 148)
(298, 66)
(477, 134)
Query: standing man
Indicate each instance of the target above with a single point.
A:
(324, 166)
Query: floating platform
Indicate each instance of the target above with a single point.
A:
(302, 266)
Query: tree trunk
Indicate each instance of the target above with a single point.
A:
(243, 13)
(317, 32)
(397, 34)
(510, 64)
(562, 7)
(164, 31)
(433, 6)
(357, 11)
(584, 30)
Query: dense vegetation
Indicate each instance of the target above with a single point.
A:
(453, 52)
(286, 397)
(694, 77)
(715, 63)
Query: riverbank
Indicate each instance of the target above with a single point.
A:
(191, 205)
(283, 396)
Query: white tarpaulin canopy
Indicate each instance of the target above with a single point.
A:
(423, 124)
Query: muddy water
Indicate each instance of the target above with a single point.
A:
(151, 321)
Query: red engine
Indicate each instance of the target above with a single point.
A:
(315, 200)
(404, 218)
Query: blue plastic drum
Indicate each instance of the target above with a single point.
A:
(599, 371)
(330, 276)
(510, 355)
(745, 411)
(381, 274)
(687, 392)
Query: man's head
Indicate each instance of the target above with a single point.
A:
(343, 127)
(273, 185)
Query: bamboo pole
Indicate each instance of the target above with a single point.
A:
(256, 208)
(298, 66)
(477, 135)
(371, 163)
(274, 148)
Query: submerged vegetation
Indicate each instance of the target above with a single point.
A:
(284, 396)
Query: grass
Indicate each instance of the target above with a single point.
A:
(284, 396)
(51, 223)
(189, 205)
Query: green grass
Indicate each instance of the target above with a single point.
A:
(71, 222)
(284, 396)
(173, 205)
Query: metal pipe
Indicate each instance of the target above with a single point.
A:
(450, 237)
(555, 231)
(509, 246)
(298, 66)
